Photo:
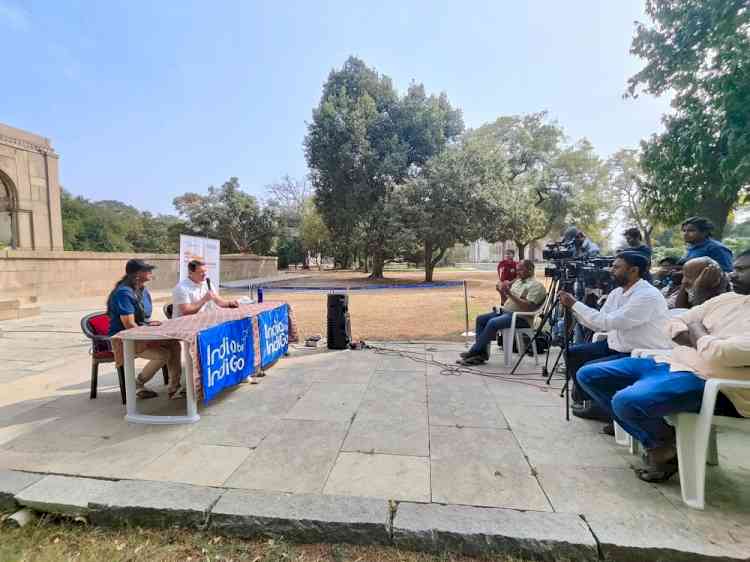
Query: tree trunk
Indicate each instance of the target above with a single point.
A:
(521, 250)
(717, 211)
(647, 235)
(378, 263)
(428, 262)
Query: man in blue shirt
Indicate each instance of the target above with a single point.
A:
(696, 232)
(128, 306)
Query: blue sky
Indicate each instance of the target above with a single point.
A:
(145, 101)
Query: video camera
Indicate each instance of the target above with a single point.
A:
(558, 251)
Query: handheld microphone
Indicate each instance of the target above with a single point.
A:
(208, 282)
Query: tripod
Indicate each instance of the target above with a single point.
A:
(559, 283)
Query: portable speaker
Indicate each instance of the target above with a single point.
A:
(339, 326)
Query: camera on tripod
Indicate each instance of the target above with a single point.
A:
(557, 251)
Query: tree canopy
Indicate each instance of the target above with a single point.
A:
(700, 50)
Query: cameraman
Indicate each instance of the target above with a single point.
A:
(633, 316)
(583, 248)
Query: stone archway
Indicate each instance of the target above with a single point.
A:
(8, 209)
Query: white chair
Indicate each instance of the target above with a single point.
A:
(696, 439)
(515, 334)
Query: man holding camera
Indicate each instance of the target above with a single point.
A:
(524, 294)
(633, 316)
(192, 294)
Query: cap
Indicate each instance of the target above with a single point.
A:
(136, 265)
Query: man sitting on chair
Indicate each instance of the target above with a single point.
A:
(525, 294)
(191, 295)
(633, 316)
(713, 341)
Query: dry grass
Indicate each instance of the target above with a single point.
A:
(402, 314)
(51, 541)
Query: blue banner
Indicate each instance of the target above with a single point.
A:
(226, 356)
(273, 326)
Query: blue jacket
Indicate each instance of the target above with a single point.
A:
(713, 249)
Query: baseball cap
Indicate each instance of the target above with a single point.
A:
(136, 265)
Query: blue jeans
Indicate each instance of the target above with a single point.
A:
(583, 354)
(488, 325)
(638, 393)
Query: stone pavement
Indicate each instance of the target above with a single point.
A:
(365, 446)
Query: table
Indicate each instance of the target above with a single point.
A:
(185, 330)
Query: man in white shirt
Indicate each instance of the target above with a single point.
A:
(712, 341)
(633, 316)
(192, 295)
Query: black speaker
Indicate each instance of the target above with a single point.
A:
(339, 327)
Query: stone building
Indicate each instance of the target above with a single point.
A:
(30, 217)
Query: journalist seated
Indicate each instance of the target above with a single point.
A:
(192, 294)
(633, 316)
(712, 341)
(129, 305)
(525, 294)
(668, 277)
(702, 280)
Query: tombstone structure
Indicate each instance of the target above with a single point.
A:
(30, 217)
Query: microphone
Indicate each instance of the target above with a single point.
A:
(208, 282)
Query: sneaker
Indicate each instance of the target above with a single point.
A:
(465, 354)
(478, 359)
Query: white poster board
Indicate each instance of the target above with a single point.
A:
(206, 249)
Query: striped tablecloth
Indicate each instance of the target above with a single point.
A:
(186, 329)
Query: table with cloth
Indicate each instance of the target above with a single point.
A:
(186, 330)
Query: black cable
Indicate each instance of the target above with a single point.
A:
(447, 369)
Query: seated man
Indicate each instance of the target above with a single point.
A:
(696, 232)
(668, 277)
(633, 316)
(128, 306)
(524, 294)
(713, 341)
(702, 280)
(191, 295)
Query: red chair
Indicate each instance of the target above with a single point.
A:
(96, 327)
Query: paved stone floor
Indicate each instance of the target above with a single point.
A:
(355, 423)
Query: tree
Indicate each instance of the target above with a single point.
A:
(442, 205)
(362, 142)
(314, 234)
(625, 179)
(288, 198)
(700, 164)
(512, 157)
(230, 215)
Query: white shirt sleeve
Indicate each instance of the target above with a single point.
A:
(180, 295)
(636, 312)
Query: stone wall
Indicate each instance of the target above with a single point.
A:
(60, 275)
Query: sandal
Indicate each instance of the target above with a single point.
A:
(657, 473)
(145, 394)
(178, 393)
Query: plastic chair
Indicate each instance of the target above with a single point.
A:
(95, 326)
(515, 334)
(696, 440)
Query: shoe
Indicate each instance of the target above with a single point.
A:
(589, 410)
(609, 429)
(478, 359)
(465, 354)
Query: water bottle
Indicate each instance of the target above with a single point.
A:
(260, 294)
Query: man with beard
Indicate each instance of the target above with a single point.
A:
(712, 341)
(633, 316)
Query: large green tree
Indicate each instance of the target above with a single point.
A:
(700, 50)
(442, 206)
(362, 142)
(230, 215)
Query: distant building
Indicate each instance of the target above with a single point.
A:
(30, 214)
